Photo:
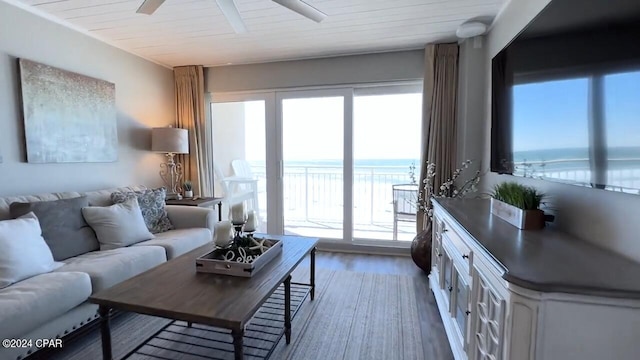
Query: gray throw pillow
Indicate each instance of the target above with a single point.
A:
(63, 227)
(151, 204)
(117, 225)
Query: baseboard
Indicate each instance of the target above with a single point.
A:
(333, 246)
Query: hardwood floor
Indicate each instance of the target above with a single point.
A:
(380, 264)
(434, 338)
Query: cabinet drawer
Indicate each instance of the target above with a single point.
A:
(460, 245)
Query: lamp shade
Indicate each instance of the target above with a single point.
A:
(170, 140)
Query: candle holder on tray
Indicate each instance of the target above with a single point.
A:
(238, 251)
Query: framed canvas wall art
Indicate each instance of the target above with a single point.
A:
(68, 117)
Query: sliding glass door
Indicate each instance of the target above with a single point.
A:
(313, 192)
(386, 150)
(327, 161)
(240, 125)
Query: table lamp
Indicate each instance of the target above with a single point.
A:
(170, 141)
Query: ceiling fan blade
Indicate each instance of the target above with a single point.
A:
(230, 11)
(303, 9)
(149, 6)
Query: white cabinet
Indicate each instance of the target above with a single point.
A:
(469, 292)
(488, 318)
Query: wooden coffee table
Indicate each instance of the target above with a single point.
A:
(174, 290)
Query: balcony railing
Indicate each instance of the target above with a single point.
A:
(314, 193)
(623, 175)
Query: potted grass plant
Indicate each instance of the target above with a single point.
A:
(518, 204)
(188, 189)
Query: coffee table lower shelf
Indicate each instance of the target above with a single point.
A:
(178, 340)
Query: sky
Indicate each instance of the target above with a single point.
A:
(553, 114)
(385, 127)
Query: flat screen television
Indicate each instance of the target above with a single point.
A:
(566, 97)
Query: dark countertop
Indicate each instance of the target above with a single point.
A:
(546, 260)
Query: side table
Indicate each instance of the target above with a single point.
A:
(200, 202)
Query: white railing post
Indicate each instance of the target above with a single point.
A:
(306, 193)
(373, 186)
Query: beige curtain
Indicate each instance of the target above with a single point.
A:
(190, 115)
(439, 116)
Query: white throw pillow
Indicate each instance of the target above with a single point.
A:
(117, 225)
(23, 251)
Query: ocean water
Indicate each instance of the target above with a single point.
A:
(570, 158)
(393, 163)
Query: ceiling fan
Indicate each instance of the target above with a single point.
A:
(230, 11)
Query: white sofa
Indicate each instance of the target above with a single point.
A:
(54, 304)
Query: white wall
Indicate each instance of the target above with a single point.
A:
(228, 138)
(355, 69)
(144, 98)
(607, 219)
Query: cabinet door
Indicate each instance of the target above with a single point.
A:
(436, 252)
(447, 277)
(461, 311)
(487, 319)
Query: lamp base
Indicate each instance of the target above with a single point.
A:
(171, 174)
(173, 196)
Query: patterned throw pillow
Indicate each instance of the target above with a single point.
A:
(151, 203)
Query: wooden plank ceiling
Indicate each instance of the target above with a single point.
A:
(184, 32)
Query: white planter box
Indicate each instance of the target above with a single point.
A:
(522, 219)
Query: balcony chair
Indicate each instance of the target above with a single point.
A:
(241, 168)
(405, 200)
(238, 189)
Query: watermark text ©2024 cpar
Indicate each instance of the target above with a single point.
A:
(28, 343)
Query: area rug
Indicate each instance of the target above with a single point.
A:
(354, 316)
(357, 316)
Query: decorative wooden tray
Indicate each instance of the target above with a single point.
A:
(215, 261)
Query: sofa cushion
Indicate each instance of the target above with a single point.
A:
(63, 226)
(107, 268)
(117, 225)
(152, 206)
(23, 251)
(178, 242)
(31, 303)
(8, 200)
